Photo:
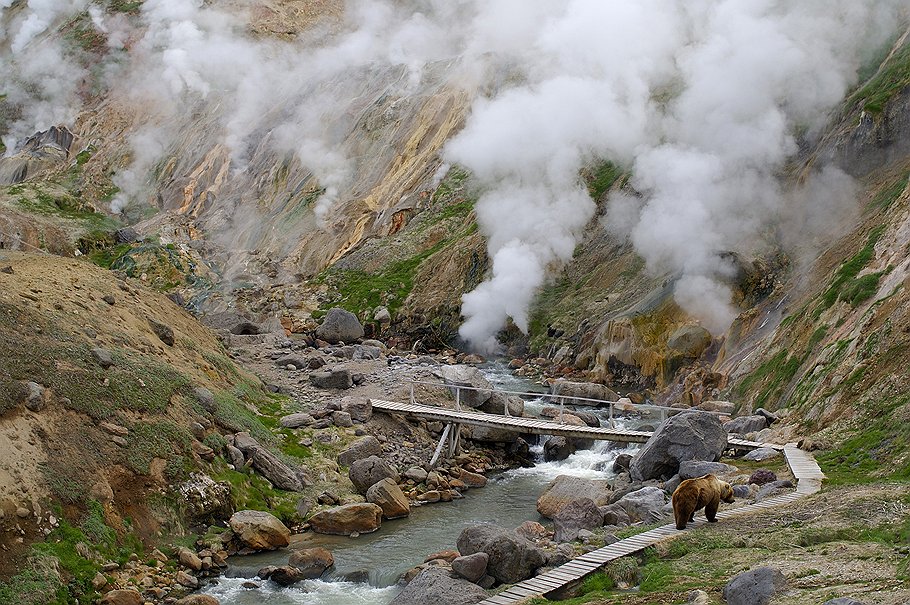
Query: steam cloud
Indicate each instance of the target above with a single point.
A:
(698, 100)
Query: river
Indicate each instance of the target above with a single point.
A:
(375, 561)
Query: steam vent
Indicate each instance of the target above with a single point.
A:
(428, 302)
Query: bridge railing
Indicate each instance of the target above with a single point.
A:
(663, 411)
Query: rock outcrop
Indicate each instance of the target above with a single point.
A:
(686, 436)
(360, 517)
(512, 557)
(259, 530)
(564, 488)
(339, 326)
(435, 586)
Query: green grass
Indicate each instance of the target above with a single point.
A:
(887, 196)
(162, 439)
(601, 178)
(845, 282)
(252, 492)
(891, 79)
(35, 199)
(360, 292)
(774, 375)
(38, 583)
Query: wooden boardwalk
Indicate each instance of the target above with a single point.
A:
(533, 426)
(808, 476)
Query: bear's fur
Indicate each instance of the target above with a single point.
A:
(694, 494)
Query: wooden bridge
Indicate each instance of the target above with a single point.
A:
(453, 420)
(808, 476)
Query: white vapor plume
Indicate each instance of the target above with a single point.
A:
(700, 100)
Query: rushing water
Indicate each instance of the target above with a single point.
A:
(368, 567)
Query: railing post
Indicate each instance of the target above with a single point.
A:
(562, 409)
(457, 397)
(612, 424)
(505, 408)
(412, 394)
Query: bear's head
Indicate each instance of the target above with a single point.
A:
(726, 492)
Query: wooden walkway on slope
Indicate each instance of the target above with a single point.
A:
(533, 426)
(808, 476)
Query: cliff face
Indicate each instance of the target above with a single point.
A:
(821, 334)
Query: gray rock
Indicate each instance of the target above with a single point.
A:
(622, 463)
(843, 601)
(489, 434)
(746, 424)
(772, 489)
(692, 469)
(103, 357)
(360, 408)
(342, 419)
(575, 516)
(512, 558)
(270, 466)
(762, 454)
(564, 488)
(467, 376)
(368, 471)
(616, 515)
(471, 567)
(557, 448)
(205, 499)
(754, 587)
(367, 352)
(360, 449)
(569, 391)
(416, 474)
(771, 417)
(235, 456)
(33, 395)
(498, 402)
(339, 326)
(164, 332)
(435, 586)
(690, 340)
(295, 421)
(742, 491)
(672, 483)
(645, 504)
(333, 379)
(686, 436)
(205, 398)
(297, 362)
(314, 363)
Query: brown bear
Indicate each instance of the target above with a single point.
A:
(694, 494)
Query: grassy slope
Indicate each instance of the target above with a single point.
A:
(52, 313)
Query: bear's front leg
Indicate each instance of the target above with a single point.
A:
(711, 510)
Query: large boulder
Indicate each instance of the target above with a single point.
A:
(127, 596)
(686, 436)
(366, 472)
(362, 448)
(560, 448)
(360, 408)
(332, 379)
(577, 515)
(488, 434)
(199, 599)
(690, 340)
(746, 424)
(270, 466)
(434, 586)
(312, 562)
(499, 402)
(360, 517)
(205, 499)
(388, 496)
(571, 391)
(754, 587)
(295, 421)
(471, 567)
(479, 391)
(692, 469)
(512, 557)
(259, 530)
(564, 488)
(339, 326)
(645, 504)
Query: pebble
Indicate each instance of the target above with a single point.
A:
(22, 513)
